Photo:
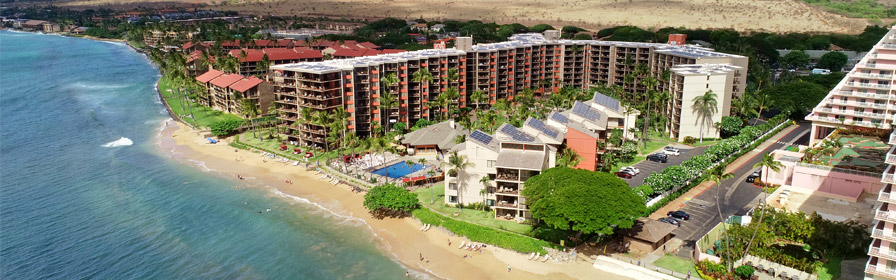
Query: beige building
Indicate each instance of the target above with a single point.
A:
(691, 81)
(882, 252)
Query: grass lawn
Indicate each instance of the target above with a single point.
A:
(474, 216)
(831, 269)
(677, 264)
(706, 142)
(202, 116)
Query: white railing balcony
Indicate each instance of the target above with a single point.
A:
(892, 138)
(885, 197)
(877, 252)
(887, 176)
(884, 215)
(868, 85)
(891, 156)
(885, 271)
(888, 46)
(879, 234)
(873, 76)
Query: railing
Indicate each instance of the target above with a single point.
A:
(891, 156)
(885, 197)
(879, 233)
(893, 138)
(837, 169)
(875, 251)
(887, 176)
(887, 271)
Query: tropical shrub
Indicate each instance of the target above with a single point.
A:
(225, 127)
(389, 199)
(744, 271)
(730, 126)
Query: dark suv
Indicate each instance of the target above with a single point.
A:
(658, 158)
(753, 176)
(679, 215)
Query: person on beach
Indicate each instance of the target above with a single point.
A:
(421, 257)
(407, 274)
(508, 268)
(449, 242)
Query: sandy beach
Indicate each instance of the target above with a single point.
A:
(399, 237)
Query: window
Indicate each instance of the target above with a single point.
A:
(452, 186)
(491, 202)
(452, 199)
(490, 163)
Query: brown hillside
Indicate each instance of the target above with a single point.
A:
(752, 15)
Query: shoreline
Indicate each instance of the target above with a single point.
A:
(399, 239)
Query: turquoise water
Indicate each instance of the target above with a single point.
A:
(78, 202)
(398, 170)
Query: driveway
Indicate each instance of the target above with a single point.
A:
(734, 195)
(647, 167)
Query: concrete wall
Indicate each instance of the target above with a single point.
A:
(833, 182)
(468, 184)
(697, 85)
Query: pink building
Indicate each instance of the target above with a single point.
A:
(834, 182)
(882, 252)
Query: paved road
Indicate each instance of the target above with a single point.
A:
(646, 167)
(734, 194)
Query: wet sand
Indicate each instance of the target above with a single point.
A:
(400, 238)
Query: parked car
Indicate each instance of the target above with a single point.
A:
(670, 221)
(672, 151)
(625, 174)
(632, 169)
(658, 158)
(679, 215)
(753, 176)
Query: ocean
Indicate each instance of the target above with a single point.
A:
(85, 192)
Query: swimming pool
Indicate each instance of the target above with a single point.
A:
(399, 170)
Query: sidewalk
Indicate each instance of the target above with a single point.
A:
(697, 190)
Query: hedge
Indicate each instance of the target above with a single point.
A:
(724, 152)
(477, 233)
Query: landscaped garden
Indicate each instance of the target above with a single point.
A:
(810, 244)
(190, 111)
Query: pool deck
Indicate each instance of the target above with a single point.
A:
(430, 164)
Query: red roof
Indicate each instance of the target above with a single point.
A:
(368, 45)
(387, 51)
(301, 49)
(310, 54)
(234, 43)
(263, 43)
(343, 52)
(226, 80)
(252, 55)
(194, 56)
(208, 76)
(246, 84)
(283, 43)
(281, 54)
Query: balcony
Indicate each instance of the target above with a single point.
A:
(885, 271)
(893, 138)
(885, 215)
(873, 76)
(868, 85)
(879, 234)
(887, 176)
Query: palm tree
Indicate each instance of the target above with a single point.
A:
(263, 66)
(705, 106)
(424, 77)
(325, 120)
(250, 110)
(457, 164)
(762, 100)
(718, 175)
(447, 97)
(431, 173)
(387, 103)
(486, 183)
(768, 162)
(568, 158)
(340, 118)
(650, 84)
(478, 97)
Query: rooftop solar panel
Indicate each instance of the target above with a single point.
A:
(481, 137)
(559, 118)
(585, 111)
(538, 124)
(606, 101)
(516, 134)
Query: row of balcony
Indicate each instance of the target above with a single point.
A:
(863, 94)
(857, 104)
(852, 112)
(868, 85)
(872, 75)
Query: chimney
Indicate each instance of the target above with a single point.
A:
(677, 39)
(552, 34)
(464, 43)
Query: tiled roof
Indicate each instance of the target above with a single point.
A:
(532, 160)
(226, 80)
(246, 84)
(368, 45)
(252, 55)
(649, 230)
(194, 56)
(440, 134)
(208, 76)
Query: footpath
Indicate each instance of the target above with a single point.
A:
(697, 190)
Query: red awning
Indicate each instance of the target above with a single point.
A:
(405, 180)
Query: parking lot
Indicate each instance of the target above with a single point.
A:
(648, 167)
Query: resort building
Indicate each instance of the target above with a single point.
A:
(155, 37)
(543, 63)
(507, 159)
(225, 92)
(693, 80)
(882, 252)
(864, 98)
(434, 140)
(251, 60)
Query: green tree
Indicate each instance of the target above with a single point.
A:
(387, 103)
(581, 200)
(705, 106)
(568, 158)
(250, 111)
(423, 77)
(390, 200)
(718, 175)
(796, 59)
(225, 127)
(263, 66)
(796, 97)
(833, 61)
(730, 126)
(582, 36)
(478, 97)
(486, 182)
(457, 164)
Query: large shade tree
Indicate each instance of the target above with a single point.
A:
(583, 201)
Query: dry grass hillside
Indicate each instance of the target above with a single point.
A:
(750, 15)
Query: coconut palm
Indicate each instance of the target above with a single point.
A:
(568, 158)
(325, 120)
(768, 162)
(718, 175)
(446, 98)
(478, 97)
(705, 106)
(424, 77)
(250, 111)
(649, 84)
(457, 164)
(263, 66)
(486, 184)
(387, 103)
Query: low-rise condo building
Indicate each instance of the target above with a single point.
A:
(691, 81)
(542, 63)
(865, 98)
(225, 92)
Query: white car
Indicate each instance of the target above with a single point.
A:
(671, 151)
(631, 169)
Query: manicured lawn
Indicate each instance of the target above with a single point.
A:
(830, 270)
(474, 216)
(202, 116)
(706, 142)
(676, 264)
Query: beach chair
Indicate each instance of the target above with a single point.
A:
(532, 255)
(461, 244)
(424, 226)
(537, 255)
(428, 227)
(546, 257)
